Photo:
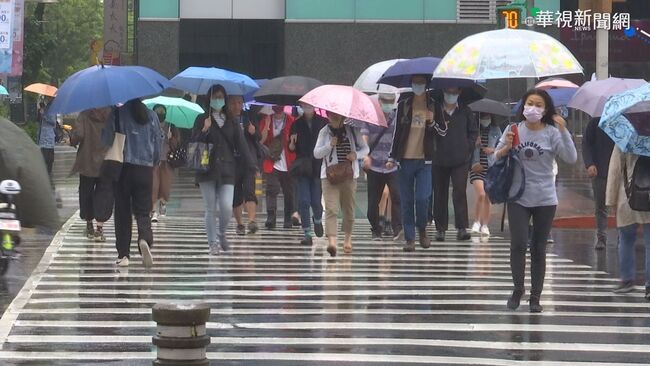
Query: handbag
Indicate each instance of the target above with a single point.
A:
(339, 172)
(198, 156)
(499, 178)
(637, 188)
(177, 158)
(111, 168)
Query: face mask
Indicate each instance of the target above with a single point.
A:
(161, 117)
(309, 111)
(486, 122)
(533, 114)
(451, 98)
(217, 103)
(419, 89)
(387, 107)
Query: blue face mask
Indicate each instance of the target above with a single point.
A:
(387, 107)
(217, 103)
(419, 89)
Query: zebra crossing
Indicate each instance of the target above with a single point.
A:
(275, 302)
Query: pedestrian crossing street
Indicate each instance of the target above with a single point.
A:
(275, 302)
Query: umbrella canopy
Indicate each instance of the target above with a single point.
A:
(368, 81)
(556, 83)
(592, 95)
(399, 75)
(626, 119)
(104, 86)
(42, 89)
(22, 161)
(198, 80)
(507, 53)
(3, 90)
(346, 101)
(180, 112)
(250, 97)
(491, 106)
(286, 90)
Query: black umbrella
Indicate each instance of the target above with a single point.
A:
(491, 106)
(22, 161)
(286, 90)
(469, 93)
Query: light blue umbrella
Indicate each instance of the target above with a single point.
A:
(626, 119)
(180, 112)
(198, 80)
(103, 86)
(3, 90)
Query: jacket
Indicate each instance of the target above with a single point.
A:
(143, 141)
(615, 193)
(493, 140)
(47, 131)
(87, 136)
(252, 141)
(323, 149)
(289, 155)
(307, 135)
(457, 146)
(403, 129)
(229, 153)
(597, 148)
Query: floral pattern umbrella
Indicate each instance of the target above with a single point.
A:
(626, 119)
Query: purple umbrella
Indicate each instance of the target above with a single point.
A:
(399, 75)
(592, 96)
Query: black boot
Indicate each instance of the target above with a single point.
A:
(270, 220)
(534, 306)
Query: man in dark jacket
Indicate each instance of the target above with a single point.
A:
(596, 151)
(306, 170)
(457, 131)
(413, 150)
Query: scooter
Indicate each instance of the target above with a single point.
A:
(9, 223)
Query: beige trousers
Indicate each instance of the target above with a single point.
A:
(339, 197)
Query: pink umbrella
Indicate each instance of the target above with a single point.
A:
(346, 101)
(555, 83)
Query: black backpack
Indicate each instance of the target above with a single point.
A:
(638, 189)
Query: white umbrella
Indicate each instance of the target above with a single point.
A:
(367, 81)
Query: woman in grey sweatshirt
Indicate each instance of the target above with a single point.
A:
(542, 136)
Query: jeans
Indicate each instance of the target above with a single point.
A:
(213, 196)
(518, 218)
(599, 186)
(376, 184)
(415, 190)
(627, 238)
(309, 196)
(133, 198)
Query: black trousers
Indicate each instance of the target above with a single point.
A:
(519, 218)
(458, 176)
(48, 156)
(376, 184)
(133, 198)
(275, 182)
(95, 199)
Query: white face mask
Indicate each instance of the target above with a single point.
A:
(451, 98)
(419, 89)
(485, 122)
(533, 114)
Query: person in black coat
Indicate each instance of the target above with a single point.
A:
(306, 170)
(596, 151)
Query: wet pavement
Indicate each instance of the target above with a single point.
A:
(275, 302)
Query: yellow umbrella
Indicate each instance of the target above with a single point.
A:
(42, 89)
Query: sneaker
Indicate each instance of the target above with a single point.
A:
(376, 236)
(440, 236)
(534, 305)
(624, 287)
(307, 241)
(476, 228)
(399, 236)
(162, 208)
(485, 230)
(318, 229)
(409, 246)
(514, 300)
(388, 231)
(147, 259)
(90, 231)
(224, 244)
(463, 235)
(252, 227)
(154, 216)
(99, 235)
(600, 244)
(122, 262)
(241, 229)
(214, 248)
(295, 221)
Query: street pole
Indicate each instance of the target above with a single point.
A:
(602, 41)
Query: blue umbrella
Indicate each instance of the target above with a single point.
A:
(198, 80)
(560, 96)
(399, 75)
(103, 86)
(626, 119)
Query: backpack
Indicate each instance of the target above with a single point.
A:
(637, 189)
(500, 176)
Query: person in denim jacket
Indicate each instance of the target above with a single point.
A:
(483, 157)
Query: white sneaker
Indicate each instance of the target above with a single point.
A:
(147, 259)
(476, 228)
(122, 262)
(162, 207)
(154, 217)
(214, 248)
(485, 230)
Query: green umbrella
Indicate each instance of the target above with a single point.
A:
(180, 112)
(21, 160)
(3, 90)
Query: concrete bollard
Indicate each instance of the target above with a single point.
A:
(181, 335)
